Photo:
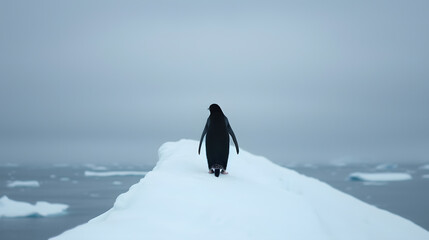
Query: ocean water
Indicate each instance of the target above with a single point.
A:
(89, 197)
(408, 199)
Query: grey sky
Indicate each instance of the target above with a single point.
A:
(316, 81)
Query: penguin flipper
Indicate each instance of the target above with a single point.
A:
(232, 135)
(202, 135)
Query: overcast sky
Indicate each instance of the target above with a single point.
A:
(313, 81)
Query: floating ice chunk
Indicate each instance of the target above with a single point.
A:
(257, 200)
(13, 184)
(386, 166)
(425, 167)
(114, 173)
(379, 177)
(117, 183)
(11, 208)
(425, 176)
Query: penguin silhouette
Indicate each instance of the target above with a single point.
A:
(217, 131)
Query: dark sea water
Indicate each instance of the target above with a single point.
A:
(89, 197)
(408, 199)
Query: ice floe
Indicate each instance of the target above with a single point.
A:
(11, 208)
(32, 183)
(380, 177)
(114, 173)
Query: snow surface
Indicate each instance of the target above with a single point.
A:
(379, 177)
(258, 199)
(11, 208)
(13, 184)
(114, 173)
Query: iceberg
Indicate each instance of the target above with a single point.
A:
(13, 184)
(114, 173)
(11, 208)
(379, 177)
(258, 199)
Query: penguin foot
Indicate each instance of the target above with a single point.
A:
(223, 172)
(211, 171)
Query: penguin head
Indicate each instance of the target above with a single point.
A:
(214, 108)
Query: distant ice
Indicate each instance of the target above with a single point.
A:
(64, 179)
(114, 173)
(257, 200)
(13, 184)
(386, 166)
(425, 176)
(379, 177)
(117, 183)
(11, 208)
(425, 167)
(95, 167)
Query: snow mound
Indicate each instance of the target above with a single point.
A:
(114, 173)
(258, 199)
(11, 208)
(13, 184)
(379, 177)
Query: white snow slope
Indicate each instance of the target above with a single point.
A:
(178, 199)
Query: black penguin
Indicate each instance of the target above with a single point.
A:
(217, 140)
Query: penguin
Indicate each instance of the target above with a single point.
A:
(217, 131)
